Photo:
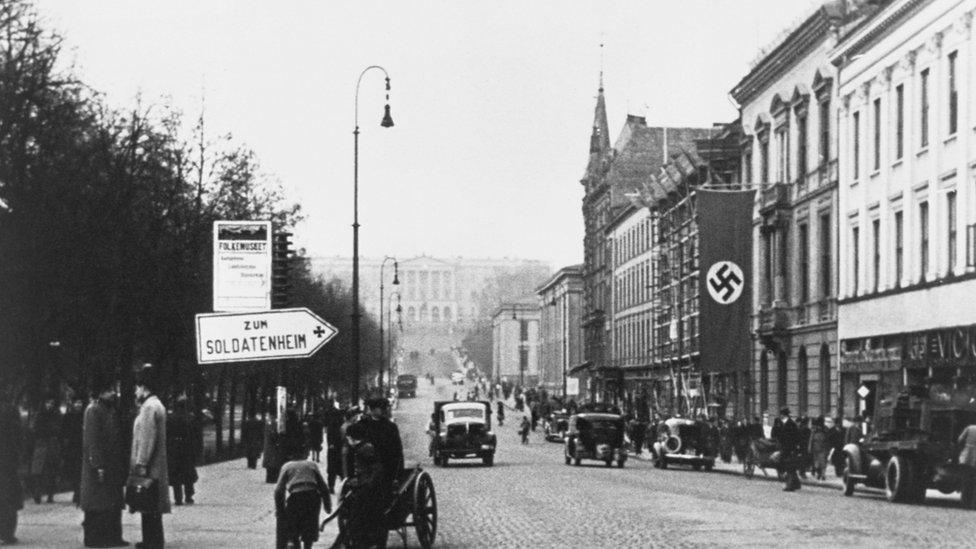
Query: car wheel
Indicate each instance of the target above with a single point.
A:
(488, 460)
(577, 461)
(609, 463)
(696, 466)
(709, 467)
(620, 463)
(899, 479)
(849, 482)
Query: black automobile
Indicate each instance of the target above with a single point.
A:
(462, 430)
(406, 385)
(597, 436)
(556, 425)
(682, 441)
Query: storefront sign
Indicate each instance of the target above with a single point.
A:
(943, 348)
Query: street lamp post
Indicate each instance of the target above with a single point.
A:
(396, 282)
(389, 336)
(387, 122)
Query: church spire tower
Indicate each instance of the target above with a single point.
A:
(600, 135)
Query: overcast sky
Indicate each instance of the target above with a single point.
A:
(493, 101)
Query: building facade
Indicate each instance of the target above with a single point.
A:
(515, 342)
(907, 201)
(788, 106)
(561, 334)
(612, 174)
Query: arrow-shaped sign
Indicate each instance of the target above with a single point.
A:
(269, 335)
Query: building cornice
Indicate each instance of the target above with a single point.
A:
(874, 29)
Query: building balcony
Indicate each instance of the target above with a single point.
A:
(774, 318)
(827, 309)
(775, 196)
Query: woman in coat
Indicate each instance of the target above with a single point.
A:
(181, 451)
(148, 458)
(102, 470)
(46, 458)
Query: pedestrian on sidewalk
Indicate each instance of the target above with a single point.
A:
(102, 468)
(300, 493)
(252, 434)
(333, 440)
(71, 441)
(148, 457)
(524, 430)
(46, 458)
(315, 437)
(500, 413)
(270, 458)
(11, 491)
(181, 452)
(786, 432)
(534, 411)
(818, 449)
(835, 439)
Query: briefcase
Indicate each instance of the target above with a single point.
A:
(142, 494)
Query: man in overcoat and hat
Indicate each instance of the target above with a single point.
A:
(103, 469)
(148, 457)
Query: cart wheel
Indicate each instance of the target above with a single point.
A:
(748, 468)
(425, 510)
(566, 456)
(620, 463)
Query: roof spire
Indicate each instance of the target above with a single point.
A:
(601, 62)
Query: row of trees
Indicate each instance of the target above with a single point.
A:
(106, 234)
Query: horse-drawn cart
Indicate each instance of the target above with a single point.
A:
(413, 503)
(764, 453)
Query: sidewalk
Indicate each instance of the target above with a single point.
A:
(234, 508)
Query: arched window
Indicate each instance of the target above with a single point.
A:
(423, 313)
(412, 313)
(764, 381)
(801, 382)
(435, 314)
(447, 314)
(782, 373)
(825, 380)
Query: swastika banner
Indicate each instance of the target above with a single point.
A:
(725, 271)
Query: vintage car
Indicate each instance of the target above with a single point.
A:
(685, 442)
(913, 448)
(406, 385)
(462, 430)
(556, 425)
(595, 436)
(457, 378)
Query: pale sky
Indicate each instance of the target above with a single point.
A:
(493, 101)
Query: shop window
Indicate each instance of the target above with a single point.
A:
(801, 378)
(825, 380)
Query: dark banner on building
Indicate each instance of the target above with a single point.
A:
(725, 278)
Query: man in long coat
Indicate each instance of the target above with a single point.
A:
(181, 452)
(102, 470)
(148, 456)
(252, 433)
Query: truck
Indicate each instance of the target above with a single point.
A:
(406, 385)
(912, 448)
(462, 430)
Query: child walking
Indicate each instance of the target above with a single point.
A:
(300, 493)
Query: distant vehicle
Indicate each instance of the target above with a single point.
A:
(595, 436)
(685, 442)
(913, 448)
(406, 385)
(462, 430)
(457, 378)
(556, 426)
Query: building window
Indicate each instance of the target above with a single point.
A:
(824, 380)
(782, 158)
(877, 134)
(764, 380)
(923, 129)
(953, 95)
(782, 379)
(804, 252)
(855, 258)
(824, 132)
(876, 255)
(899, 247)
(801, 147)
(951, 219)
(899, 121)
(825, 268)
(523, 330)
(747, 167)
(923, 229)
(764, 159)
(802, 389)
(857, 146)
(768, 269)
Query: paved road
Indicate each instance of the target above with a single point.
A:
(530, 498)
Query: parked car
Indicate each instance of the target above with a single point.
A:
(457, 378)
(595, 436)
(685, 442)
(462, 430)
(406, 385)
(913, 448)
(556, 425)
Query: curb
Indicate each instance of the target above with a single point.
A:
(725, 469)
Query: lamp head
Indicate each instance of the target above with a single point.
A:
(396, 266)
(387, 119)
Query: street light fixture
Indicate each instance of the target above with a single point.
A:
(396, 282)
(389, 343)
(387, 122)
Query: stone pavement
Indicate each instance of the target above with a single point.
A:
(234, 508)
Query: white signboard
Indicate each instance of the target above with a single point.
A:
(572, 386)
(269, 335)
(241, 266)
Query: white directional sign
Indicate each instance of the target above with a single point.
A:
(268, 335)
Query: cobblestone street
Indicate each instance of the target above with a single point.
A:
(531, 499)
